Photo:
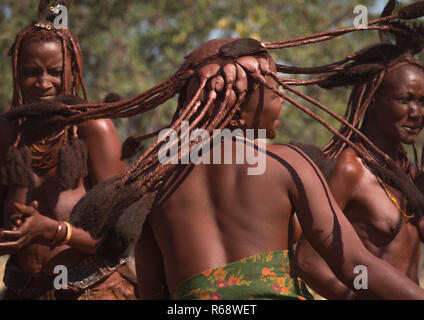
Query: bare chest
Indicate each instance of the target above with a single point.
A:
(53, 201)
(379, 211)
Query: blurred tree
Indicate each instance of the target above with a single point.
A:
(130, 45)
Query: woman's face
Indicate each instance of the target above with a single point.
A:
(399, 104)
(272, 110)
(40, 71)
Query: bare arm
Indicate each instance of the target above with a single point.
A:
(313, 269)
(104, 153)
(297, 230)
(150, 269)
(311, 266)
(331, 235)
(37, 228)
(104, 150)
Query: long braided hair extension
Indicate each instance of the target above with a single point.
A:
(365, 71)
(223, 72)
(366, 74)
(34, 148)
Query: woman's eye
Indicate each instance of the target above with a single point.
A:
(403, 100)
(56, 73)
(29, 72)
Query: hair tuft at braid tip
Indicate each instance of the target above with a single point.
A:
(216, 79)
(412, 11)
(131, 146)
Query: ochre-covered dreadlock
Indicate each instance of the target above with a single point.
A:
(72, 78)
(372, 74)
(356, 114)
(223, 73)
(365, 72)
(56, 148)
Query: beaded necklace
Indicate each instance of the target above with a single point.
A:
(45, 153)
(405, 167)
(393, 199)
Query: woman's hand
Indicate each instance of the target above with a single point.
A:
(29, 226)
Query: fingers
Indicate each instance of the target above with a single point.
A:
(34, 204)
(16, 220)
(28, 210)
(10, 242)
(10, 235)
(9, 248)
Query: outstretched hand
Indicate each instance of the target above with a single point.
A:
(29, 226)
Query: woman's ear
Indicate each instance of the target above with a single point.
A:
(239, 122)
(242, 123)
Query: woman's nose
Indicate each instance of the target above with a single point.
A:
(43, 82)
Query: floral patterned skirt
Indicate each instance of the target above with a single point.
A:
(262, 276)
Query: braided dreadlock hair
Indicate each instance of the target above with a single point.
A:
(223, 72)
(44, 31)
(24, 155)
(366, 76)
(365, 72)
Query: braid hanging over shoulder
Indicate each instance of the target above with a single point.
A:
(365, 71)
(41, 149)
(222, 73)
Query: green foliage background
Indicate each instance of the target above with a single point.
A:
(130, 45)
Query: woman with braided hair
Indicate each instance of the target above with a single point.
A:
(387, 103)
(44, 176)
(211, 231)
(212, 236)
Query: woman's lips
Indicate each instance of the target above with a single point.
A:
(45, 98)
(412, 129)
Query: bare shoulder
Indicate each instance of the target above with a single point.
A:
(346, 176)
(104, 149)
(102, 127)
(349, 167)
(290, 153)
(294, 161)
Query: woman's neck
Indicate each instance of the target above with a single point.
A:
(388, 146)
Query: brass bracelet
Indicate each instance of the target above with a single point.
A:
(68, 234)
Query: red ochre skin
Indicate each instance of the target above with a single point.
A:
(394, 118)
(216, 214)
(40, 79)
